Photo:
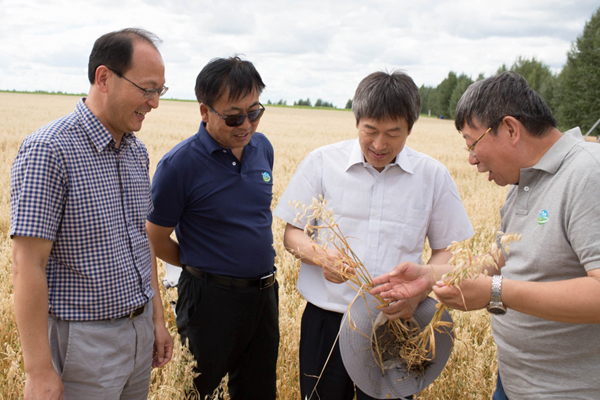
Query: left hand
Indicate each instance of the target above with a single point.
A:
(163, 346)
(403, 308)
(474, 294)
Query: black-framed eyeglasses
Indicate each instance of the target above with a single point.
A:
(148, 93)
(238, 119)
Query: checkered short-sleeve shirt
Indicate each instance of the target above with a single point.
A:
(72, 185)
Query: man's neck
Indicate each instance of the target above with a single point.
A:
(537, 147)
(95, 106)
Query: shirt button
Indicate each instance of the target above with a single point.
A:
(234, 163)
(224, 151)
(526, 188)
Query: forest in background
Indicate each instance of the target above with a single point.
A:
(573, 94)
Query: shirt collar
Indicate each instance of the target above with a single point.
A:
(212, 145)
(357, 157)
(98, 134)
(554, 157)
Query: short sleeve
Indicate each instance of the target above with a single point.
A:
(38, 190)
(583, 229)
(449, 220)
(168, 195)
(305, 185)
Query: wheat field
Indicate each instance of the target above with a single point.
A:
(471, 370)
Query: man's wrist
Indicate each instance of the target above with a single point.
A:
(496, 306)
(431, 277)
(39, 368)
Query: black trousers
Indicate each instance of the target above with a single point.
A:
(317, 337)
(230, 330)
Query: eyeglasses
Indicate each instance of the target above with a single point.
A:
(471, 148)
(148, 93)
(238, 119)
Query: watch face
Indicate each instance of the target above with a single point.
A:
(498, 310)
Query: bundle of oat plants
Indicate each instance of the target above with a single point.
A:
(401, 339)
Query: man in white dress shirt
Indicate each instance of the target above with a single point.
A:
(387, 199)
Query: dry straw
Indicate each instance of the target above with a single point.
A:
(400, 339)
(405, 342)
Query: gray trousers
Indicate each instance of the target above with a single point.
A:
(104, 360)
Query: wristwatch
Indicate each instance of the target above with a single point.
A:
(496, 306)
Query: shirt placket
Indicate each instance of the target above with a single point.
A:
(526, 185)
(126, 188)
(371, 258)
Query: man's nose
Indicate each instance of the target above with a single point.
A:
(473, 160)
(153, 101)
(379, 142)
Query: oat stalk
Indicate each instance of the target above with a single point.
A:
(402, 340)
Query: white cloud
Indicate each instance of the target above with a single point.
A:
(316, 49)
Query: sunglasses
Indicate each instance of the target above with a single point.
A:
(238, 119)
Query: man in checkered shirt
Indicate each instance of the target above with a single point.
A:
(86, 294)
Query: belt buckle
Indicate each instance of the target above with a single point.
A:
(267, 280)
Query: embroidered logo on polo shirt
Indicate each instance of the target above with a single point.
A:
(543, 217)
(266, 177)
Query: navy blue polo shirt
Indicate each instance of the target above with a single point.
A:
(220, 207)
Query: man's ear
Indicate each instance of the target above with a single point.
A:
(102, 75)
(204, 112)
(513, 128)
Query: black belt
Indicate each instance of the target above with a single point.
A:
(134, 313)
(262, 282)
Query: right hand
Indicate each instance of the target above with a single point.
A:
(43, 385)
(335, 269)
(407, 285)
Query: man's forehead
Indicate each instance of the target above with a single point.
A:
(147, 64)
(468, 131)
(238, 102)
(387, 123)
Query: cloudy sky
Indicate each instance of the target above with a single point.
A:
(304, 48)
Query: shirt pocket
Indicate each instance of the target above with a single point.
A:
(408, 228)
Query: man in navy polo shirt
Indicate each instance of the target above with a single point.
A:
(215, 189)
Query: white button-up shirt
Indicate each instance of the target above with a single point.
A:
(385, 216)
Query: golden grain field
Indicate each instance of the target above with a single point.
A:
(470, 373)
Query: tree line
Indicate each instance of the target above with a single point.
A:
(573, 95)
(305, 103)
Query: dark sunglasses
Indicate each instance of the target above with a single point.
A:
(238, 119)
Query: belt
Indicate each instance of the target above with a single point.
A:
(262, 282)
(134, 313)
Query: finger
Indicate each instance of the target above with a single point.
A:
(349, 270)
(381, 279)
(168, 350)
(384, 287)
(159, 354)
(389, 294)
(399, 269)
(442, 290)
(402, 314)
